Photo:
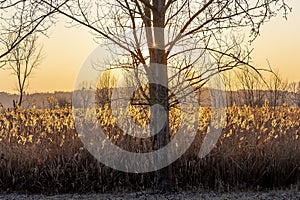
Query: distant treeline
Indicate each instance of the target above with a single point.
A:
(239, 98)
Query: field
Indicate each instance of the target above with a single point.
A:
(42, 153)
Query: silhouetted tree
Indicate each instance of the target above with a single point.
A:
(191, 25)
(104, 88)
(277, 89)
(251, 85)
(294, 89)
(23, 59)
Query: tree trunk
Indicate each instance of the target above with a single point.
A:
(159, 92)
(20, 99)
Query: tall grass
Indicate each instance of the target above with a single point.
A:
(41, 152)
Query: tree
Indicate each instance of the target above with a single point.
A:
(294, 89)
(189, 25)
(81, 99)
(228, 78)
(104, 88)
(252, 86)
(23, 59)
(21, 19)
(277, 88)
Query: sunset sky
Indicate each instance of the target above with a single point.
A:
(67, 48)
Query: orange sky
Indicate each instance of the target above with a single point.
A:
(66, 49)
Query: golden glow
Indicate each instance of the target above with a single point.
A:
(279, 43)
(67, 48)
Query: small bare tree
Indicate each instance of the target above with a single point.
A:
(104, 88)
(251, 87)
(229, 79)
(23, 59)
(82, 100)
(277, 89)
(294, 89)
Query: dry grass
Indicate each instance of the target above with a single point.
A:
(41, 152)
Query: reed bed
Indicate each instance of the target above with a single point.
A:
(42, 153)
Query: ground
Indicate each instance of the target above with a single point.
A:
(270, 195)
